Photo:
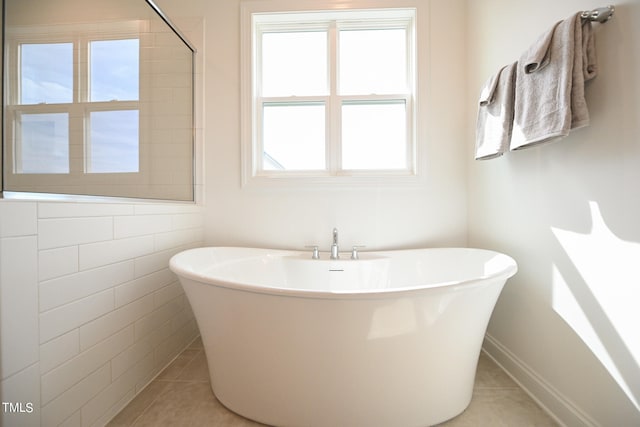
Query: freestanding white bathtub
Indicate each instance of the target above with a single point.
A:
(391, 339)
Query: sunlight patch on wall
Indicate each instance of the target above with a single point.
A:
(595, 290)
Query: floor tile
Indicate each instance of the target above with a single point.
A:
(501, 408)
(189, 404)
(181, 396)
(196, 369)
(138, 405)
(490, 375)
(176, 367)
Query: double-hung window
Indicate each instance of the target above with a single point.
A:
(98, 105)
(331, 94)
(77, 106)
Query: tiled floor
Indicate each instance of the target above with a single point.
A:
(181, 396)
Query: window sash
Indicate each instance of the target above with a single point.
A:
(78, 110)
(333, 100)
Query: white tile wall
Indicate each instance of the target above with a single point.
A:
(66, 289)
(18, 219)
(96, 254)
(90, 311)
(59, 350)
(57, 262)
(18, 300)
(22, 388)
(61, 232)
(70, 316)
(58, 380)
(67, 403)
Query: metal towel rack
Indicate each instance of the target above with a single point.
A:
(601, 14)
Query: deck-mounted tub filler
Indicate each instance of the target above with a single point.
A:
(387, 339)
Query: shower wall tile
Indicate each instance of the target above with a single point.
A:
(59, 350)
(18, 299)
(65, 405)
(62, 378)
(150, 263)
(90, 311)
(66, 289)
(160, 316)
(54, 233)
(83, 210)
(131, 291)
(167, 293)
(140, 225)
(54, 263)
(93, 332)
(98, 254)
(70, 316)
(157, 209)
(123, 386)
(18, 219)
(130, 357)
(22, 387)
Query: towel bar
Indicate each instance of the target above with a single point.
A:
(601, 14)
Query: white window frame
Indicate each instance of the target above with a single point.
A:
(369, 14)
(80, 105)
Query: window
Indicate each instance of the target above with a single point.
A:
(331, 94)
(102, 93)
(98, 103)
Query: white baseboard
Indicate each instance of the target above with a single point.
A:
(551, 400)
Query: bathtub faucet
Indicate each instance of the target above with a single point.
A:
(334, 247)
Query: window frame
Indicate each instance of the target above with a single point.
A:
(274, 15)
(79, 109)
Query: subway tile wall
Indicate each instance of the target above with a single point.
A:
(89, 310)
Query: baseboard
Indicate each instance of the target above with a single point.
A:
(560, 408)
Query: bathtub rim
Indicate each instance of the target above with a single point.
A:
(502, 275)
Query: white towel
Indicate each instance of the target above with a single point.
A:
(549, 95)
(495, 114)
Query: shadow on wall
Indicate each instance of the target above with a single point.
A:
(569, 213)
(594, 290)
(595, 273)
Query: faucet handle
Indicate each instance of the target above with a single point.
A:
(354, 251)
(316, 252)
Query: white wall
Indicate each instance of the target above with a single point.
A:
(432, 212)
(90, 312)
(566, 325)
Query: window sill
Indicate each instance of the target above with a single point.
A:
(325, 182)
(79, 198)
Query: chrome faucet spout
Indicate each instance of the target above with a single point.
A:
(335, 253)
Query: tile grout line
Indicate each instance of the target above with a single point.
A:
(168, 381)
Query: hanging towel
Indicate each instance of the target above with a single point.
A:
(495, 114)
(549, 95)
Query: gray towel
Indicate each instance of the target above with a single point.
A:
(495, 114)
(549, 95)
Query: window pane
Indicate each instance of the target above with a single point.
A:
(374, 136)
(43, 143)
(293, 137)
(114, 70)
(373, 62)
(294, 63)
(113, 142)
(46, 73)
